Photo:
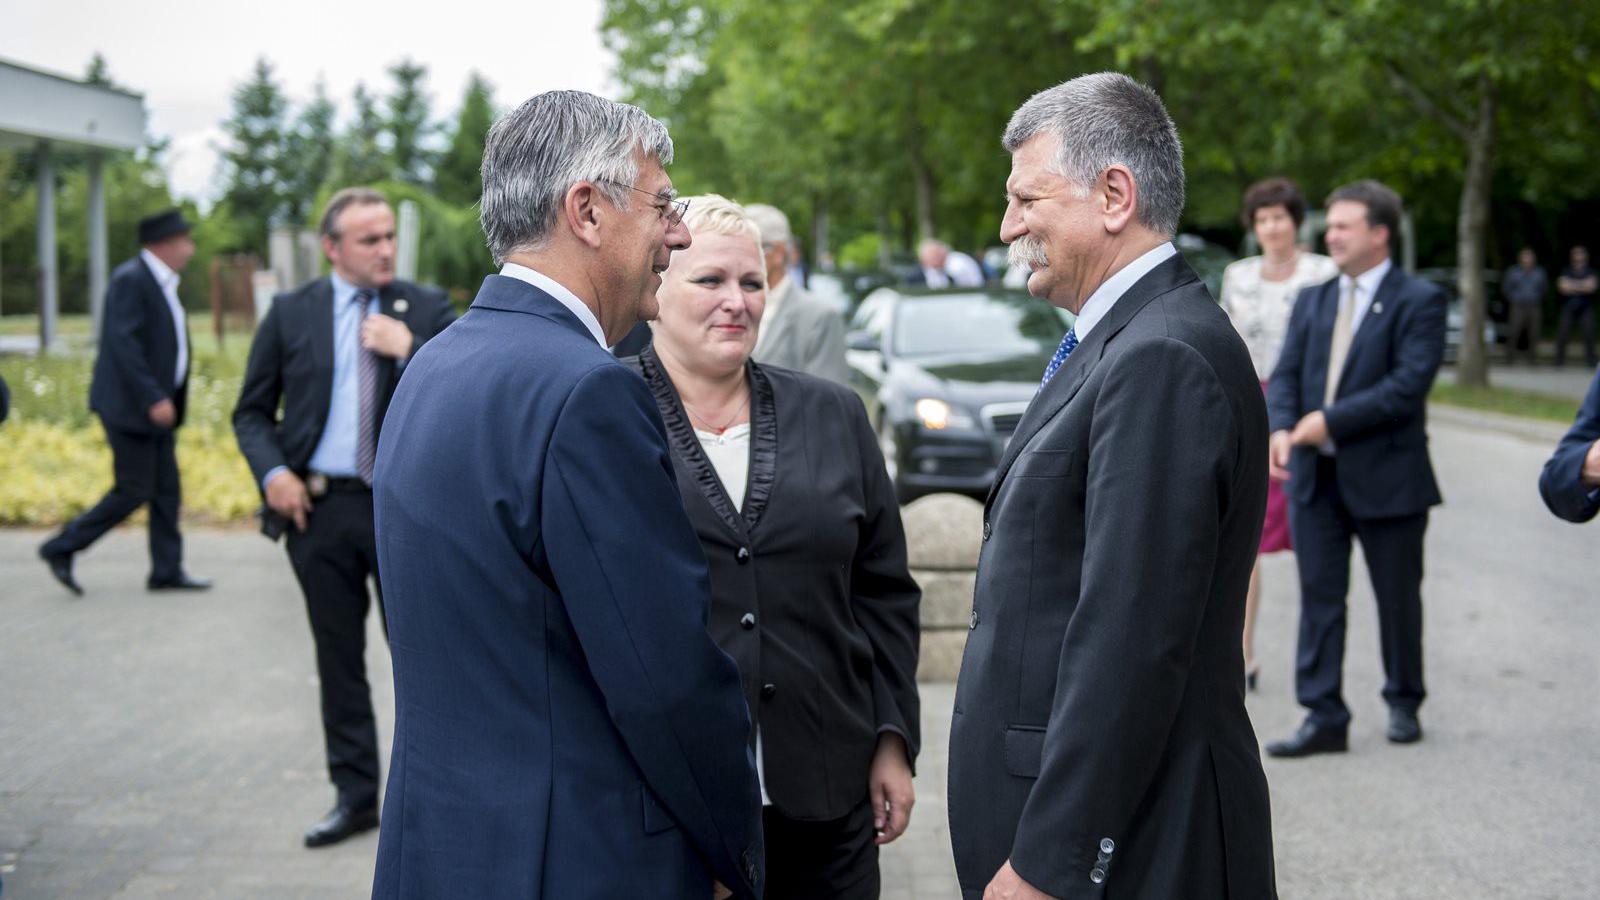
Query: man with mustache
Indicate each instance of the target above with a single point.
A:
(1100, 744)
(565, 726)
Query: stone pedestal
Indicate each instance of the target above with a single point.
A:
(943, 536)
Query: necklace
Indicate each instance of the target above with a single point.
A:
(710, 426)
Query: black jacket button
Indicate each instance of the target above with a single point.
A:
(743, 556)
(747, 621)
(767, 690)
(988, 530)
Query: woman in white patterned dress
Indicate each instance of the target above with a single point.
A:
(1258, 293)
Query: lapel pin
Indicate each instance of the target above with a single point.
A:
(401, 305)
(1376, 307)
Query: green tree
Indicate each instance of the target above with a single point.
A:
(308, 156)
(253, 157)
(457, 178)
(361, 159)
(408, 124)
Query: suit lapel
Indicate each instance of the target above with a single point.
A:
(1060, 390)
(1320, 345)
(319, 321)
(1377, 315)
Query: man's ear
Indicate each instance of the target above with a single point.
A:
(581, 212)
(1121, 204)
(328, 244)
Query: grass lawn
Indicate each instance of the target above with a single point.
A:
(1507, 401)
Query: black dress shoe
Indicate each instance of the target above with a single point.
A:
(1404, 727)
(1310, 739)
(340, 823)
(184, 582)
(61, 567)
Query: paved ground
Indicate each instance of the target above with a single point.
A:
(154, 745)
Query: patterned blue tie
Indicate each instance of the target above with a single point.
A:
(1068, 344)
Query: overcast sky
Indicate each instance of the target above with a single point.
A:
(186, 56)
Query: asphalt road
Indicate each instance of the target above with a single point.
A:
(159, 745)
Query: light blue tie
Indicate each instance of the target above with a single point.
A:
(1068, 344)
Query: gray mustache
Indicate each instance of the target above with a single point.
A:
(1027, 251)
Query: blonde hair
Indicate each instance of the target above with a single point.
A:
(716, 214)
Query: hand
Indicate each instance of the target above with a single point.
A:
(719, 891)
(287, 496)
(1278, 455)
(387, 336)
(1008, 885)
(889, 786)
(1310, 431)
(1591, 465)
(163, 414)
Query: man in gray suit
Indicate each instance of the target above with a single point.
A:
(797, 331)
(1100, 743)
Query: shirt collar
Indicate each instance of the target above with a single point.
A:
(565, 297)
(163, 273)
(1107, 294)
(1370, 279)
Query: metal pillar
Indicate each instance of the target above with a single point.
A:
(97, 244)
(49, 287)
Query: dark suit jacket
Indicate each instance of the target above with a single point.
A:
(1100, 730)
(1379, 416)
(564, 726)
(817, 560)
(1561, 483)
(138, 352)
(5, 400)
(291, 361)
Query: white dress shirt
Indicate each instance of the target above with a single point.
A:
(960, 270)
(168, 280)
(559, 291)
(1106, 295)
(1368, 281)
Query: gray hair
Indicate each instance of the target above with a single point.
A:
(538, 151)
(343, 199)
(1108, 119)
(774, 225)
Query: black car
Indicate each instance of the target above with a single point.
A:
(946, 376)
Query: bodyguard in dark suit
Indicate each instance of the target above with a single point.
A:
(331, 353)
(565, 726)
(1570, 482)
(1100, 744)
(140, 386)
(1348, 402)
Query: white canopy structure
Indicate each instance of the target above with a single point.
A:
(44, 111)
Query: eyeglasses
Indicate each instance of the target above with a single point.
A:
(673, 211)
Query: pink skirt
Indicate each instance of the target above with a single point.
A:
(1275, 529)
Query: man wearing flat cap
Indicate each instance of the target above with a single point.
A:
(140, 384)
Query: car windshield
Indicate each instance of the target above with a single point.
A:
(998, 324)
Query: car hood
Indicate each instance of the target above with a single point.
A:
(974, 381)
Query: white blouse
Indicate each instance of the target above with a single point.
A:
(1260, 308)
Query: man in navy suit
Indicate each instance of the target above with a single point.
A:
(1348, 409)
(1570, 482)
(565, 726)
(141, 380)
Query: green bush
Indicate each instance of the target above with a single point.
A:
(54, 462)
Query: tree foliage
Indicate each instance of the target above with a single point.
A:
(457, 179)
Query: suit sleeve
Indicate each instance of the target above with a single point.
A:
(1561, 483)
(1162, 457)
(826, 359)
(255, 417)
(633, 578)
(886, 598)
(1283, 387)
(121, 333)
(1402, 393)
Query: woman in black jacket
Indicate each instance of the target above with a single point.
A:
(811, 594)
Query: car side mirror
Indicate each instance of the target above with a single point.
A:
(862, 340)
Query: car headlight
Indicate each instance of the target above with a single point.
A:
(936, 415)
